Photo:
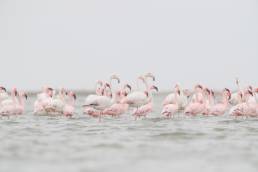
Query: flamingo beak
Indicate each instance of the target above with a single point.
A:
(128, 86)
(108, 85)
(155, 88)
(16, 93)
(146, 93)
(74, 96)
(3, 88)
(228, 92)
(250, 92)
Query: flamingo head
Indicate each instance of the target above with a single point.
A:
(150, 75)
(249, 92)
(212, 93)
(72, 94)
(179, 92)
(198, 87)
(154, 88)
(250, 88)
(128, 86)
(22, 94)
(228, 93)
(146, 93)
(2, 89)
(15, 92)
(115, 77)
(50, 91)
(207, 91)
(107, 85)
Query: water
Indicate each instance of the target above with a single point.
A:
(31, 143)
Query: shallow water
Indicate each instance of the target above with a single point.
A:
(43, 143)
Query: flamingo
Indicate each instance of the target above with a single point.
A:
(21, 103)
(209, 100)
(57, 102)
(146, 108)
(68, 109)
(3, 94)
(8, 106)
(247, 107)
(169, 109)
(181, 98)
(119, 107)
(139, 98)
(43, 100)
(221, 108)
(197, 104)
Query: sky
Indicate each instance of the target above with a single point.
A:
(73, 43)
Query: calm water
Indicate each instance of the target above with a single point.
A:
(41, 143)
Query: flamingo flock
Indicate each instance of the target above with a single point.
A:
(114, 98)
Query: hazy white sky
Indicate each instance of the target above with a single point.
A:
(73, 43)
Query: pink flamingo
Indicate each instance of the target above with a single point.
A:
(21, 103)
(120, 107)
(247, 107)
(221, 108)
(170, 109)
(69, 105)
(43, 99)
(139, 98)
(210, 99)
(182, 98)
(145, 109)
(197, 106)
(8, 106)
(3, 94)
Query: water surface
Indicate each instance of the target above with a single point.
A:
(43, 143)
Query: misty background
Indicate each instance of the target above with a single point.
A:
(73, 43)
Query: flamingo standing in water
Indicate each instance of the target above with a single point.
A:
(247, 107)
(43, 99)
(169, 109)
(13, 105)
(139, 98)
(68, 109)
(21, 103)
(3, 94)
(197, 104)
(57, 103)
(221, 108)
(120, 107)
(209, 101)
(148, 107)
(181, 99)
(8, 105)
